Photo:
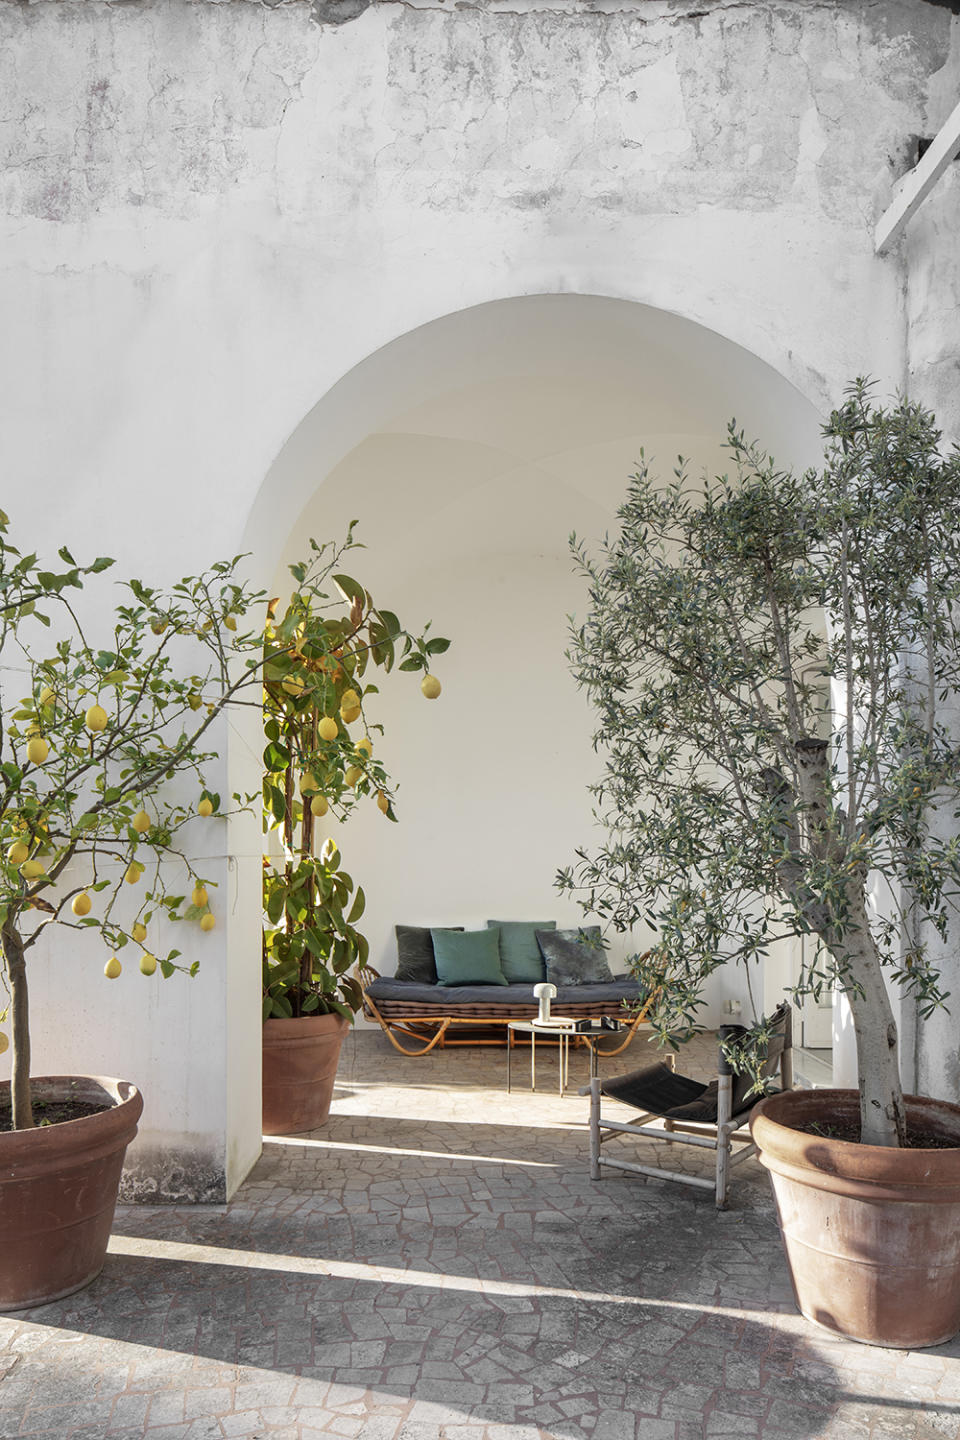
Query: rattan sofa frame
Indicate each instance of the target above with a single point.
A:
(430, 1027)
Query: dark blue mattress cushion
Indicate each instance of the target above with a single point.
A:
(623, 988)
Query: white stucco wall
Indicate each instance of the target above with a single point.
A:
(215, 209)
(528, 417)
(932, 1047)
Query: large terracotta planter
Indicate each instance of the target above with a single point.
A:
(299, 1066)
(872, 1235)
(58, 1190)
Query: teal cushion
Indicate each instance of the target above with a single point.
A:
(468, 957)
(520, 957)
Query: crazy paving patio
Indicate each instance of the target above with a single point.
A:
(436, 1264)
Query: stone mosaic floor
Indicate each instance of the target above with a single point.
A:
(435, 1264)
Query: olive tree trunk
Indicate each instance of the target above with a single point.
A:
(882, 1112)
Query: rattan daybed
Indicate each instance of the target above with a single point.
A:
(432, 1015)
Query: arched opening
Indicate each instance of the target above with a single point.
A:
(469, 450)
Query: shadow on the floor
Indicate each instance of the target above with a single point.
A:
(648, 1358)
(463, 1260)
(395, 1144)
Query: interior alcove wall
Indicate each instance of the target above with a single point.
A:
(469, 451)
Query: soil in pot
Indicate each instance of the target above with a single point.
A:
(872, 1234)
(850, 1131)
(50, 1112)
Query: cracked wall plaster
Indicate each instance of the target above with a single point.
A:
(173, 105)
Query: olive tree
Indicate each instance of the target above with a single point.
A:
(771, 656)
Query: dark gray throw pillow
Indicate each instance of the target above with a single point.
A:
(574, 957)
(415, 958)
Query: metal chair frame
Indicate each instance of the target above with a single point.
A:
(720, 1136)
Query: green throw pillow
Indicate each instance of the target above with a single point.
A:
(467, 957)
(520, 957)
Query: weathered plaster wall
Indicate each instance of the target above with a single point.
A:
(220, 207)
(213, 209)
(932, 265)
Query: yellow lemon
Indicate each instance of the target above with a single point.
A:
(383, 804)
(141, 822)
(199, 896)
(134, 871)
(37, 750)
(430, 686)
(308, 781)
(95, 719)
(348, 716)
(205, 807)
(4, 1042)
(139, 932)
(112, 968)
(319, 805)
(194, 700)
(17, 853)
(30, 869)
(365, 746)
(328, 729)
(349, 700)
(47, 696)
(353, 775)
(148, 963)
(293, 685)
(208, 921)
(81, 904)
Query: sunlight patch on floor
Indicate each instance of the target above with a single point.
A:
(182, 1251)
(293, 1141)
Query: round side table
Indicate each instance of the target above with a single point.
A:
(564, 1033)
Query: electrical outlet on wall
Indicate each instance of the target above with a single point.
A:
(732, 1007)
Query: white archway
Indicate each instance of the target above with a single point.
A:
(670, 375)
(469, 449)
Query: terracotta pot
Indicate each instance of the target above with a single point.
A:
(58, 1190)
(872, 1235)
(299, 1067)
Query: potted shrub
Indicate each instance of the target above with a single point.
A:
(91, 734)
(773, 658)
(90, 838)
(320, 759)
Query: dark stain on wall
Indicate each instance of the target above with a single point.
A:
(172, 1177)
(337, 12)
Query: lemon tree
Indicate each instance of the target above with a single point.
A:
(93, 729)
(321, 759)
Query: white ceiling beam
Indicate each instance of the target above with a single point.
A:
(916, 185)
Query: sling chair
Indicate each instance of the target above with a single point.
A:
(686, 1112)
